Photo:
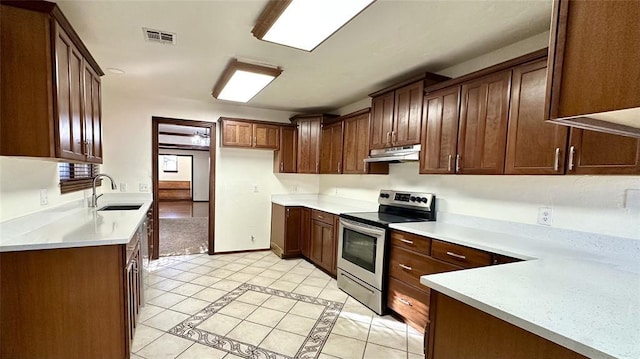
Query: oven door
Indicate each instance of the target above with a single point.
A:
(361, 251)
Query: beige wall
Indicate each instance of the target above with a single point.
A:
(200, 183)
(240, 212)
(184, 169)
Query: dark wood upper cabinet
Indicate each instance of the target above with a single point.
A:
(249, 133)
(331, 148)
(51, 104)
(396, 117)
(440, 131)
(285, 157)
(92, 115)
(533, 146)
(266, 136)
(594, 64)
(483, 124)
(356, 145)
(407, 115)
(382, 108)
(309, 140)
(236, 133)
(309, 146)
(592, 152)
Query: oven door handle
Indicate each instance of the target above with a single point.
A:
(354, 226)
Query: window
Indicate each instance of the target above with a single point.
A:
(169, 163)
(77, 176)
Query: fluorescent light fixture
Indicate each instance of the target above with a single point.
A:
(241, 81)
(304, 24)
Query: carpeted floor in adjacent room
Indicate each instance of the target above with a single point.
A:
(179, 236)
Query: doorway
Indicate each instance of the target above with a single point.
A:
(183, 178)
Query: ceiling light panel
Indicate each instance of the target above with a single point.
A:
(304, 24)
(240, 81)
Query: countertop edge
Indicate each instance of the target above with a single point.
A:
(548, 334)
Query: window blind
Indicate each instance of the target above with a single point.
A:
(77, 176)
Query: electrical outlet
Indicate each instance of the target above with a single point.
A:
(44, 198)
(143, 187)
(545, 216)
(123, 186)
(253, 239)
(295, 188)
(255, 188)
(336, 191)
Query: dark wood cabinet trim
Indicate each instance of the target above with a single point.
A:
(536, 55)
(428, 78)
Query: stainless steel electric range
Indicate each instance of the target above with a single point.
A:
(363, 243)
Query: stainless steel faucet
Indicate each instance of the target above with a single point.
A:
(94, 199)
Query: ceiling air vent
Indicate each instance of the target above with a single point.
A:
(163, 37)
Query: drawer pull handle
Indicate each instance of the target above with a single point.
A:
(405, 267)
(321, 217)
(406, 241)
(454, 255)
(405, 302)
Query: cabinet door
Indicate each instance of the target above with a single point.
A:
(331, 149)
(315, 253)
(381, 121)
(266, 136)
(292, 231)
(68, 70)
(285, 157)
(440, 131)
(533, 146)
(594, 55)
(236, 133)
(408, 115)
(309, 146)
(305, 232)
(592, 152)
(328, 247)
(483, 124)
(92, 115)
(356, 144)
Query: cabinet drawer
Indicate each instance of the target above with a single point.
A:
(408, 266)
(322, 216)
(411, 242)
(411, 303)
(459, 255)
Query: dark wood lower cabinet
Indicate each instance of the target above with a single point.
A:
(305, 235)
(457, 330)
(64, 303)
(322, 245)
(286, 230)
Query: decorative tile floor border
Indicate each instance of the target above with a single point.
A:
(310, 348)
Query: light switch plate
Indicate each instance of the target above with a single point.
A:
(143, 187)
(44, 198)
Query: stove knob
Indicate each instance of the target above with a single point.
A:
(413, 199)
(424, 199)
(384, 195)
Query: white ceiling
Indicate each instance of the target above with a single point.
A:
(388, 41)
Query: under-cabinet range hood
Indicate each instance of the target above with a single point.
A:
(395, 154)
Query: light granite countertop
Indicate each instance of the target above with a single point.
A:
(330, 204)
(75, 225)
(583, 295)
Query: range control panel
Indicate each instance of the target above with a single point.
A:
(406, 199)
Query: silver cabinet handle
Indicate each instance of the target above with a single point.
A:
(394, 137)
(457, 163)
(449, 164)
(405, 267)
(405, 241)
(454, 255)
(338, 169)
(388, 137)
(572, 151)
(556, 159)
(281, 166)
(405, 302)
(317, 167)
(287, 212)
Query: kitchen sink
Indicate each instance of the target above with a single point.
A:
(121, 207)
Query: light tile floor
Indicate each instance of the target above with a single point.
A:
(252, 307)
